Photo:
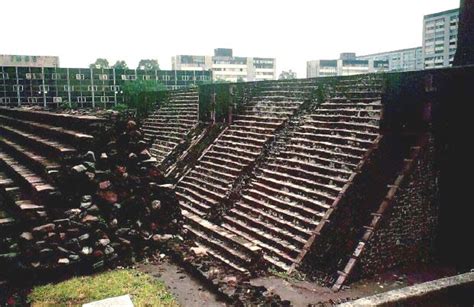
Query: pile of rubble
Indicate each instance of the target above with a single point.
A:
(115, 206)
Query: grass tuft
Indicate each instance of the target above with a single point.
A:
(144, 290)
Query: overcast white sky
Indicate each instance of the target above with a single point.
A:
(79, 31)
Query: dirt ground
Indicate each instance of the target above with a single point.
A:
(187, 290)
(304, 293)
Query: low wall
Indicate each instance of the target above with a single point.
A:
(450, 291)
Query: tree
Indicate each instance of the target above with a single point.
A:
(120, 65)
(142, 95)
(100, 63)
(148, 65)
(285, 75)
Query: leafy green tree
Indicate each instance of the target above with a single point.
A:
(120, 65)
(286, 75)
(100, 63)
(142, 95)
(148, 65)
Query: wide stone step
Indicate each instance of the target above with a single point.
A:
(214, 152)
(213, 178)
(311, 175)
(343, 125)
(338, 148)
(312, 167)
(288, 220)
(325, 153)
(354, 106)
(211, 185)
(258, 231)
(359, 134)
(226, 162)
(258, 118)
(49, 147)
(233, 246)
(272, 126)
(70, 121)
(302, 181)
(204, 191)
(74, 138)
(219, 167)
(236, 150)
(224, 177)
(191, 204)
(344, 118)
(335, 139)
(249, 148)
(31, 181)
(307, 202)
(243, 139)
(270, 253)
(320, 160)
(250, 128)
(248, 134)
(306, 191)
(196, 195)
(38, 163)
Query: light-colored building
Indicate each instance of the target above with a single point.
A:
(28, 60)
(225, 66)
(399, 60)
(440, 33)
(346, 65)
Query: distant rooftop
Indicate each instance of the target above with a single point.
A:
(441, 13)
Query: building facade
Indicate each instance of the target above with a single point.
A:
(399, 60)
(440, 32)
(346, 65)
(225, 66)
(84, 87)
(28, 60)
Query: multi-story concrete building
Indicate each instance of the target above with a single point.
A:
(53, 86)
(28, 60)
(346, 65)
(225, 66)
(399, 60)
(440, 32)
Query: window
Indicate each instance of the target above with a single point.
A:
(79, 76)
(166, 78)
(115, 88)
(32, 100)
(3, 76)
(18, 88)
(92, 88)
(68, 88)
(146, 77)
(56, 76)
(81, 99)
(57, 99)
(185, 78)
(28, 76)
(103, 77)
(5, 100)
(104, 99)
(44, 88)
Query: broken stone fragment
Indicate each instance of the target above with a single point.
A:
(44, 228)
(104, 242)
(80, 168)
(27, 236)
(64, 261)
(145, 154)
(108, 250)
(156, 205)
(162, 238)
(131, 125)
(84, 237)
(90, 219)
(103, 156)
(90, 156)
(86, 250)
(104, 185)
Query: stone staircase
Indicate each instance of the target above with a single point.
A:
(169, 125)
(32, 146)
(209, 183)
(281, 207)
(292, 191)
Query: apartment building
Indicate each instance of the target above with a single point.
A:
(440, 32)
(227, 67)
(399, 60)
(346, 65)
